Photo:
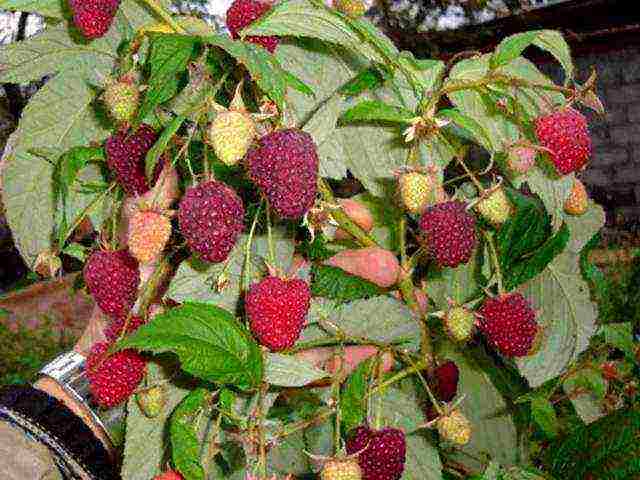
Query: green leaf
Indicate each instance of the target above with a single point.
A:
(552, 41)
(401, 407)
(55, 120)
(584, 227)
(607, 448)
(371, 151)
(369, 78)
(566, 315)
(68, 200)
(146, 438)
(552, 191)
(586, 389)
(301, 18)
(56, 50)
(381, 319)
(168, 57)
(210, 343)
(287, 371)
(353, 404)
(336, 284)
(185, 447)
(288, 456)
(46, 8)
(544, 415)
(198, 281)
(620, 335)
(524, 231)
(532, 265)
(263, 67)
(511, 47)
(369, 110)
(422, 459)
(155, 152)
(459, 284)
(477, 131)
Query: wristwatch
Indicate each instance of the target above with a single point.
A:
(68, 370)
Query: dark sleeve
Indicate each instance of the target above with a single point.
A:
(47, 422)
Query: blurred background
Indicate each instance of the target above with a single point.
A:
(40, 317)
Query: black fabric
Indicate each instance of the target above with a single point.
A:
(64, 426)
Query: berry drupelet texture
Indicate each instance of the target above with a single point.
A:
(284, 166)
(277, 310)
(244, 12)
(112, 278)
(211, 218)
(449, 232)
(383, 452)
(509, 324)
(126, 154)
(93, 17)
(565, 134)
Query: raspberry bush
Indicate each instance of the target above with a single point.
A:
(264, 327)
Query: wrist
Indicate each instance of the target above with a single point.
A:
(51, 387)
(64, 378)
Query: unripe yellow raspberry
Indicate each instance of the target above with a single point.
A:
(121, 99)
(459, 323)
(495, 206)
(454, 427)
(231, 134)
(417, 191)
(341, 469)
(352, 8)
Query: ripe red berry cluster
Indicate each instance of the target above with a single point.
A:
(509, 324)
(382, 452)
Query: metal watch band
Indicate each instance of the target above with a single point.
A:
(68, 370)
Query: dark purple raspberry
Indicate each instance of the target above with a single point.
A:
(211, 218)
(383, 452)
(449, 232)
(244, 12)
(126, 154)
(277, 310)
(509, 324)
(112, 278)
(285, 167)
(447, 376)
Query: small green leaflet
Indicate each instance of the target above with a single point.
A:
(169, 57)
(47, 8)
(353, 406)
(185, 447)
(287, 371)
(336, 284)
(375, 110)
(210, 343)
(154, 154)
(544, 415)
(550, 40)
(263, 67)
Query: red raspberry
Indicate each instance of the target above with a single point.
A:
(277, 310)
(509, 324)
(244, 12)
(383, 452)
(566, 134)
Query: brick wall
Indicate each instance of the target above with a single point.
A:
(613, 178)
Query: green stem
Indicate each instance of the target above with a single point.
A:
(402, 232)
(246, 271)
(166, 16)
(260, 414)
(471, 175)
(407, 289)
(378, 420)
(432, 397)
(496, 262)
(416, 367)
(294, 427)
(272, 246)
(343, 219)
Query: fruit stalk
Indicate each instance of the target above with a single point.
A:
(166, 16)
